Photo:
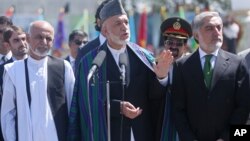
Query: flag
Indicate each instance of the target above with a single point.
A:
(59, 36)
(40, 13)
(193, 45)
(83, 23)
(10, 11)
(181, 11)
(163, 12)
(132, 27)
(142, 33)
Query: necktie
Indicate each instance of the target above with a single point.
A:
(207, 70)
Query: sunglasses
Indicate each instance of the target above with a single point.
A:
(173, 43)
(78, 42)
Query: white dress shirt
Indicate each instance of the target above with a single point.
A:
(203, 54)
(116, 53)
(102, 39)
(72, 62)
(35, 123)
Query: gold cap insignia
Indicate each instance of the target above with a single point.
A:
(177, 25)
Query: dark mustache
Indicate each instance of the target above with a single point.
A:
(173, 49)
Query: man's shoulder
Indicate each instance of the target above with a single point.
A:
(244, 53)
(55, 58)
(94, 42)
(185, 58)
(88, 47)
(231, 56)
(14, 67)
(56, 62)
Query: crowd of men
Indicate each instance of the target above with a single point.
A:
(172, 95)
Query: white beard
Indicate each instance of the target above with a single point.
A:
(116, 39)
(38, 53)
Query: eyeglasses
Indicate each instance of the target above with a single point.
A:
(172, 43)
(78, 42)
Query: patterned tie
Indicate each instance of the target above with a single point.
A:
(207, 70)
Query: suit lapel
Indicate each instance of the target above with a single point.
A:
(221, 64)
(196, 69)
(67, 59)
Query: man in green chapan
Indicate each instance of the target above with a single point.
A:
(136, 116)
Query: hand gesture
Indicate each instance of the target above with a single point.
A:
(129, 111)
(163, 63)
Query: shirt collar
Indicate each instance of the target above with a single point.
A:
(115, 51)
(14, 58)
(203, 53)
(102, 39)
(8, 55)
(71, 59)
(38, 62)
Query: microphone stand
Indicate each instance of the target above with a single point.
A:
(108, 110)
(123, 97)
(89, 108)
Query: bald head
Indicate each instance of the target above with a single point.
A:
(44, 25)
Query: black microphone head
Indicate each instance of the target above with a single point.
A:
(123, 59)
(99, 58)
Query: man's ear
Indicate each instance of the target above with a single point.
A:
(196, 36)
(6, 45)
(104, 31)
(28, 37)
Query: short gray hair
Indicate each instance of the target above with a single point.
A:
(199, 19)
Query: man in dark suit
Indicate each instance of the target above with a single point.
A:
(210, 87)
(14, 38)
(246, 55)
(175, 32)
(94, 43)
(135, 107)
(77, 39)
(5, 53)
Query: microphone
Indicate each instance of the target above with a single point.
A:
(97, 62)
(123, 63)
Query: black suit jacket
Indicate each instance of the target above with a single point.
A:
(247, 58)
(2, 70)
(85, 49)
(206, 114)
(143, 91)
(1, 88)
